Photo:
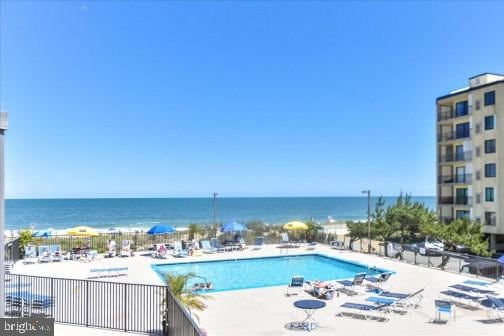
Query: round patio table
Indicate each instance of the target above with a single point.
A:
(310, 307)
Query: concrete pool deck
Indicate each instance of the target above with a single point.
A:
(266, 311)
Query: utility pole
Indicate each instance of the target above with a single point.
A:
(3, 127)
(368, 192)
(215, 213)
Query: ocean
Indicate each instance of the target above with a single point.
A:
(133, 213)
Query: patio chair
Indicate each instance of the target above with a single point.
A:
(259, 243)
(311, 246)
(207, 248)
(366, 311)
(337, 244)
(357, 281)
(444, 307)
(411, 300)
(296, 282)
(126, 248)
(472, 289)
(496, 309)
(178, 251)
(28, 303)
(161, 251)
(55, 252)
(44, 254)
(285, 240)
(216, 244)
(30, 255)
(375, 283)
(463, 299)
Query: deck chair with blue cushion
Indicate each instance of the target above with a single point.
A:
(366, 311)
(296, 282)
(496, 309)
(216, 244)
(55, 252)
(444, 307)
(463, 299)
(206, 247)
(259, 243)
(30, 255)
(38, 304)
(349, 285)
(375, 283)
(44, 254)
(408, 300)
(472, 289)
(178, 251)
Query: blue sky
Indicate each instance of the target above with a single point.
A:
(125, 99)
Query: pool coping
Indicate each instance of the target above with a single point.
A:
(161, 276)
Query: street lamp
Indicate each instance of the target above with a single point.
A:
(368, 192)
(3, 127)
(215, 212)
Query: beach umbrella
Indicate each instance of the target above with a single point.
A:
(501, 259)
(233, 227)
(83, 231)
(43, 233)
(295, 226)
(161, 229)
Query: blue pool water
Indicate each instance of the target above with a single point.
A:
(265, 272)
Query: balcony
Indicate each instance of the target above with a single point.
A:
(448, 136)
(445, 219)
(451, 114)
(455, 179)
(458, 157)
(450, 200)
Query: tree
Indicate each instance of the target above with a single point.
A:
(380, 226)
(25, 237)
(257, 226)
(190, 299)
(357, 231)
(194, 229)
(461, 231)
(311, 232)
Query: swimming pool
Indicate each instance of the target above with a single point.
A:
(236, 274)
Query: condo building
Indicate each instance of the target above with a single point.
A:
(470, 155)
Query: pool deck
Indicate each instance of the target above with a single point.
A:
(266, 311)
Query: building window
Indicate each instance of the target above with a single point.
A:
(489, 122)
(490, 218)
(489, 195)
(478, 175)
(478, 220)
(462, 214)
(462, 130)
(478, 151)
(490, 170)
(478, 104)
(490, 98)
(490, 146)
(461, 109)
(478, 198)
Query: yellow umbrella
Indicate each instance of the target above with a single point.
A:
(83, 231)
(295, 225)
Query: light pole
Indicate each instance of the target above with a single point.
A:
(215, 213)
(3, 127)
(368, 192)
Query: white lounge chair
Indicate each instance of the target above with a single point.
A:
(55, 252)
(206, 247)
(126, 248)
(44, 254)
(259, 243)
(30, 255)
(496, 309)
(178, 251)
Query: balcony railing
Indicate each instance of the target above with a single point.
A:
(451, 135)
(446, 219)
(464, 156)
(450, 114)
(463, 200)
(450, 200)
(454, 179)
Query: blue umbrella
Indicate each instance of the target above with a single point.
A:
(161, 229)
(42, 233)
(233, 227)
(501, 259)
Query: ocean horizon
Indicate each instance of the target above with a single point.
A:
(142, 213)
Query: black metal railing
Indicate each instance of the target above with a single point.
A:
(448, 200)
(450, 114)
(446, 219)
(129, 307)
(446, 136)
(463, 200)
(463, 156)
(453, 179)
